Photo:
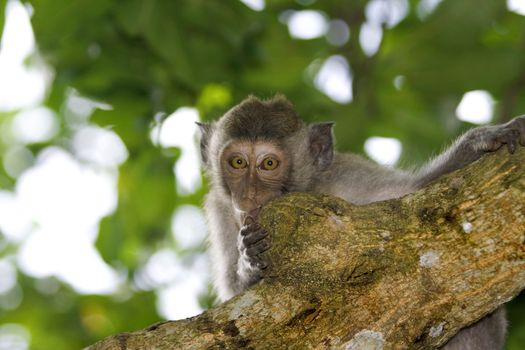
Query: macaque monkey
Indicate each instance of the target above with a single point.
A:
(261, 149)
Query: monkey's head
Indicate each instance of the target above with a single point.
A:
(261, 149)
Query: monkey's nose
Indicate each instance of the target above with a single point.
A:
(247, 205)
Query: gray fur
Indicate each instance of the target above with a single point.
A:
(487, 334)
(317, 168)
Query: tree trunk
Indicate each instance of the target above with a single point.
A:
(401, 273)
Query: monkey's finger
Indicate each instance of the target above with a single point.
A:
(258, 248)
(245, 230)
(254, 237)
(258, 262)
(248, 221)
(521, 128)
(512, 140)
(261, 263)
(511, 145)
(518, 124)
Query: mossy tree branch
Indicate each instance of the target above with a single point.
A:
(402, 273)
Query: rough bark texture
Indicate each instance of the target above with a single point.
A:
(406, 273)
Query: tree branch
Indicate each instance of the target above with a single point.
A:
(402, 273)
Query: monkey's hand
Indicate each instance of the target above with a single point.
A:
(472, 146)
(491, 138)
(252, 242)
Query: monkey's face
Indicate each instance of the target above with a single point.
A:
(254, 172)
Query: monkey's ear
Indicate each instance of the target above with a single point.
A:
(322, 144)
(206, 131)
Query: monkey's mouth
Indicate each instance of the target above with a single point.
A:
(250, 214)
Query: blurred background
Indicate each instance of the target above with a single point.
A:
(101, 227)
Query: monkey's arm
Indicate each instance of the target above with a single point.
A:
(234, 251)
(222, 240)
(361, 181)
(471, 146)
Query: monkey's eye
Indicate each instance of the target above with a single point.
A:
(269, 163)
(238, 162)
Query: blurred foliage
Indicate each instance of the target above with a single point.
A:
(2, 15)
(145, 57)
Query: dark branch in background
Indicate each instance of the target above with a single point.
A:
(510, 99)
(511, 95)
(396, 274)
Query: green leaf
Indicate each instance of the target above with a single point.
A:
(3, 4)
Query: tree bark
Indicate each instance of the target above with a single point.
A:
(403, 273)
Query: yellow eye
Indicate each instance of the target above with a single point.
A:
(238, 162)
(269, 163)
